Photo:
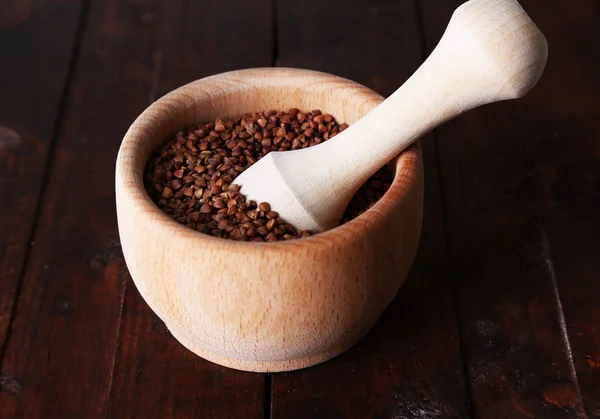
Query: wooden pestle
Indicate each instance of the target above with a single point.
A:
(491, 51)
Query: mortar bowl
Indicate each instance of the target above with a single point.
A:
(276, 306)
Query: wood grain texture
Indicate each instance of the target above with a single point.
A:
(563, 140)
(290, 304)
(154, 374)
(409, 365)
(514, 343)
(62, 346)
(33, 71)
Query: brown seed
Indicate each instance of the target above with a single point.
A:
(206, 209)
(264, 206)
(193, 217)
(218, 203)
(167, 193)
(281, 132)
(223, 224)
(262, 230)
(219, 216)
(270, 224)
(190, 146)
(176, 184)
(219, 126)
(271, 237)
(272, 215)
(259, 222)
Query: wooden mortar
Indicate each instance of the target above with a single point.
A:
(265, 306)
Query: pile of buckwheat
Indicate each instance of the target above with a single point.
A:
(189, 177)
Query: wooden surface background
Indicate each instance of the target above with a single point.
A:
(499, 318)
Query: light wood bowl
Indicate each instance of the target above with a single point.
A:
(265, 306)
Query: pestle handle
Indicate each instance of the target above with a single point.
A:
(491, 51)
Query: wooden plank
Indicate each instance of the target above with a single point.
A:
(62, 347)
(410, 364)
(156, 377)
(563, 137)
(154, 374)
(511, 322)
(34, 65)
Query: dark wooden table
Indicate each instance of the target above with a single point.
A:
(500, 317)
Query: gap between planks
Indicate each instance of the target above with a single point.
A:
(547, 255)
(445, 221)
